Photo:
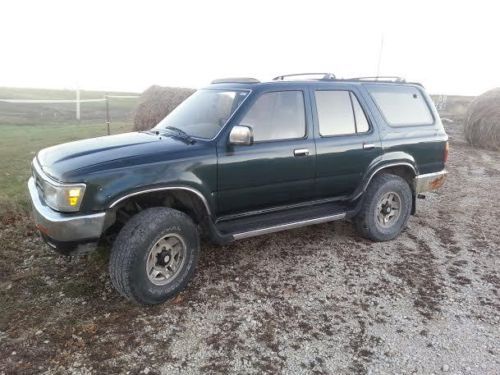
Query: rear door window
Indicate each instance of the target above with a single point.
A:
(361, 121)
(401, 105)
(339, 113)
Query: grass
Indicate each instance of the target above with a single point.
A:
(19, 144)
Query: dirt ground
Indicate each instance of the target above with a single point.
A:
(315, 300)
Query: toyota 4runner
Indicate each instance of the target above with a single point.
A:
(237, 159)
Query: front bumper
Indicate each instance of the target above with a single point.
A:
(429, 181)
(64, 227)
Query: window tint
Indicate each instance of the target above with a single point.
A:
(361, 121)
(335, 113)
(277, 115)
(401, 105)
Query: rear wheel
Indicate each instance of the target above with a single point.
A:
(385, 209)
(154, 255)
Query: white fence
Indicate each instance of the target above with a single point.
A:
(76, 101)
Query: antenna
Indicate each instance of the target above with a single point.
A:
(380, 54)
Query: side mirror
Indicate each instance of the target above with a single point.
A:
(241, 135)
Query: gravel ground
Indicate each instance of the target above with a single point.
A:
(312, 300)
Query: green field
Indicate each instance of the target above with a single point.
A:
(27, 128)
(19, 144)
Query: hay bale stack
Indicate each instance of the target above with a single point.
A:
(482, 121)
(157, 102)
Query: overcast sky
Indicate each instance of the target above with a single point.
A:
(451, 47)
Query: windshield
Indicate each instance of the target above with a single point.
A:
(204, 113)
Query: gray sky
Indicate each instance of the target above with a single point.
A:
(450, 46)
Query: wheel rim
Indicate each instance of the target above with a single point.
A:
(165, 259)
(388, 209)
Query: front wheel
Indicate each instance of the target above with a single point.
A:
(154, 256)
(385, 208)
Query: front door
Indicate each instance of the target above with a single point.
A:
(279, 167)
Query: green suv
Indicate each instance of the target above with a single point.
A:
(237, 159)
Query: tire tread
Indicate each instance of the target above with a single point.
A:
(127, 246)
(361, 221)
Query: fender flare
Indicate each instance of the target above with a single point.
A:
(204, 200)
(379, 167)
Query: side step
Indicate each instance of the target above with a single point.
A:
(282, 220)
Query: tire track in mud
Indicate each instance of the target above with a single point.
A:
(456, 265)
(360, 306)
(466, 224)
(418, 269)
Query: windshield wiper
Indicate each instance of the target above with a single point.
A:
(179, 132)
(150, 131)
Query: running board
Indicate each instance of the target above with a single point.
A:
(275, 221)
(296, 224)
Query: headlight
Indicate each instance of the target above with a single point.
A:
(65, 198)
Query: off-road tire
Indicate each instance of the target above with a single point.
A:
(127, 265)
(366, 220)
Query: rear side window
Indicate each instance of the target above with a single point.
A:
(401, 105)
(277, 115)
(339, 113)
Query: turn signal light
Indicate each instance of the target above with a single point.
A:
(73, 197)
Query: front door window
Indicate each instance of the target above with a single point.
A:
(276, 116)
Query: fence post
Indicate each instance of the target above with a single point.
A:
(107, 111)
(78, 104)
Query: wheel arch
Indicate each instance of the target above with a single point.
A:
(192, 190)
(405, 169)
(186, 199)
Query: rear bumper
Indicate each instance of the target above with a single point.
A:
(429, 181)
(60, 227)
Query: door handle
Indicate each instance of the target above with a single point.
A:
(368, 146)
(301, 152)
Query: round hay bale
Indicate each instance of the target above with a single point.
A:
(482, 121)
(157, 102)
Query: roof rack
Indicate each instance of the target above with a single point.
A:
(324, 76)
(378, 78)
(319, 77)
(236, 80)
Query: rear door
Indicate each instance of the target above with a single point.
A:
(346, 140)
(279, 167)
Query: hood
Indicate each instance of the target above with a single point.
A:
(68, 161)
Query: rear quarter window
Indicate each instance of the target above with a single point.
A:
(401, 105)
